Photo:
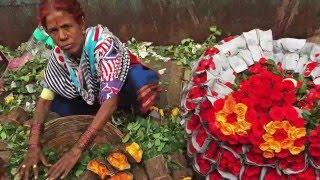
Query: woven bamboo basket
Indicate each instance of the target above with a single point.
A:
(62, 133)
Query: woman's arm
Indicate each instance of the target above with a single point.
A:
(66, 163)
(34, 154)
(104, 115)
(42, 109)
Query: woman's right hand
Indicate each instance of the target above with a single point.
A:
(30, 163)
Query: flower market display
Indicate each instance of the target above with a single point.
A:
(252, 109)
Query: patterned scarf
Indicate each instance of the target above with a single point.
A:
(85, 75)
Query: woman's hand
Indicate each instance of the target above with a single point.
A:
(65, 164)
(31, 162)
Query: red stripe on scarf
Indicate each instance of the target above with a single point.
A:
(96, 34)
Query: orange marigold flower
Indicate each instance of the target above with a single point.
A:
(232, 118)
(281, 135)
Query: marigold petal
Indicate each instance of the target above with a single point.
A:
(241, 110)
(243, 125)
(286, 125)
(268, 154)
(296, 150)
(264, 146)
(227, 129)
(285, 144)
(270, 128)
(229, 105)
(267, 137)
(295, 133)
(277, 124)
(276, 146)
(221, 117)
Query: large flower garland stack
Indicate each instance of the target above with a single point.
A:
(252, 109)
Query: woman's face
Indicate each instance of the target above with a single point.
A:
(66, 32)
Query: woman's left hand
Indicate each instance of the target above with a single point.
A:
(65, 164)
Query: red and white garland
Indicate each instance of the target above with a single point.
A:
(245, 127)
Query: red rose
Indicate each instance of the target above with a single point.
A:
(263, 61)
(200, 138)
(273, 175)
(255, 69)
(277, 113)
(266, 102)
(207, 115)
(255, 157)
(213, 93)
(212, 152)
(206, 105)
(229, 163)
(190, 149)
(196, 92)
(284, 153)
(205, 64)
(229, 84)
(309, 68)
(251, 172)
(287, 86)
(289, 99)
(203, 166)
(214, 175)
(314, 148)
(276, 96)
(295, 163)
(308, 174)
(211, 51)
(192, 124)
(218, 105)
(190, 105)
(200, 79)
(280, 68)
(229, 38)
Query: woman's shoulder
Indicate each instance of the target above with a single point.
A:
(57, 56)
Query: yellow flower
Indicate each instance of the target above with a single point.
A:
(135, 151)
(9, 99)
(186, 178)
(161, 112)
(175, 112)
(272, 144)
(239, 110)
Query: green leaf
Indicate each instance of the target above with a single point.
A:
(136, 127)
(25, 78)
(157, 135)
(157, 142)
(13, 171)
(126, 138)
(3, 135)
(160, 147)
(150, 145)
(79, 172)
(130, 126)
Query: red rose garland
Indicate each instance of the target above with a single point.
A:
(249, 117)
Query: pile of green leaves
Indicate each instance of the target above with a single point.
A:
(16, 138)
(156, 138)
(185, 53)
(23, 85)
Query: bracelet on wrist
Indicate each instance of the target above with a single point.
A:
(86, 138)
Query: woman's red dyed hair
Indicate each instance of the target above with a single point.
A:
(71, 6)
